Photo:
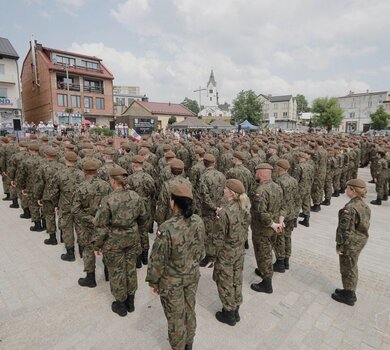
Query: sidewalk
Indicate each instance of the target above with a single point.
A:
(42, 306)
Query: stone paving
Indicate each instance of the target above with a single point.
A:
(42, 306)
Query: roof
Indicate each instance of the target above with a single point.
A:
(69, 53)
(247, 125)
(7, 50)
(221, 124)
(190, 123)
(281, 98)
(166, 108)
(212, 79)
(352, 94)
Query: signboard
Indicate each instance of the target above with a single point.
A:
(144, 125)
(272, 120)
(8, 103)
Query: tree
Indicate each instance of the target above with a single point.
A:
(246, 106)
(192, 105)
(379, 119)
(302, 104)
(329, 114)
(172, 119)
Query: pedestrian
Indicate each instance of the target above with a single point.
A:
(173, 270)
(351, 237)
(234, 218)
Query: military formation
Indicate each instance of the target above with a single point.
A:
(105, 196)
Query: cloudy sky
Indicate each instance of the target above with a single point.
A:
(168, 47)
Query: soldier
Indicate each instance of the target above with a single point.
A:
(108, 157)
(119, 219)
(3, 168)
(46, 192)
(305, 171)
(317, 189)
(143, 184)
(16, 161)
(173, 270)
(194, 176)
(258, 157)
(266, 221)
(240, 172)
(211, 187)
(87, 199)
(68, 181)
(289, 212)
(351, 237)
(234, 219)
(225, 161)
(337, 172)
(125, 160)
(381, 177)
(272, 158)
(330, 170)
(184, 156)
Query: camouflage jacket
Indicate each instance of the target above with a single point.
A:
(196, 172)
(253, 162)
(125, 162)
(225, 162)
(67, 182)
(184, 156)
(47, 185)
(290, 203)
(176, 252)
(211, 186)
(26, 178)
(331, 167)
(104, 170)
(15, 163)
(240, 172)
(143, 184)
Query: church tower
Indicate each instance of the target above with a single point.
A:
(212, 95)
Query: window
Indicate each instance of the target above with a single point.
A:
(3, 92)
(66, 60)
(266, 115)
(266, 107)
(76, 101)
(275, 114)
(93, 86)
(352, 115)
(90, 65)
(275, 106)
(210, 91)
(211, 98)
(284, 114)
(62, 100)
(88, 102)
(120, 101)
(99, 103)
(2, 68)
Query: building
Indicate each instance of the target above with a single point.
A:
(211, 107)
(357, 108)
(162, 111)
(124, 96)
(65, 87)
(10, 102)
(280, 111)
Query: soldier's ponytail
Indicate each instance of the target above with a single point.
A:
(184, 204)
(243, 200)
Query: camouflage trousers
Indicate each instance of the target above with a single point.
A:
(6, 184)
(282, 241)
(84, 238)
(66, 224)
(343, 180)
(178, 302)
(210, 229)
(49, 213)
(262, 246)
(123, 273)
(381, 185)
(23, 200)
(317, 189)
(35, 209)
(328, 187)
(13, 192)
(228, 276)
(348, 266)
(304, 202)
(374, 169)
(336, 181)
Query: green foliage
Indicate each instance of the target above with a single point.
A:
(380, 119)
(102, 131)
(172, 119)
(302, 104)
(329, 113)
(192, 105)
(246, 106)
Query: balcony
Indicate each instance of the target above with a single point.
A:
(74, 66)
(64, 86)
(94, 89)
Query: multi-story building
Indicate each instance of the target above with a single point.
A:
(357, 108)
(124, 96)
(280, 111)
(65, 87)
(10, 103)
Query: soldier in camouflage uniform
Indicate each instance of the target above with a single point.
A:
(119, 219)
(86, 201)
(194, 176)
(3, 167)
(304, 175)
(225, 161)
(330, 170)
(108, 157)
(337, 172)
(240, 172)
(173, 270)
(351, 237)
(258, 157)
(272, 159)
(11, 150)
(317, 189)
(266, 222)
(381, 177)
(289, 213)
(144, 185)
(211, 187)
(233, 223)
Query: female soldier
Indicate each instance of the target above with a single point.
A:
(234, 219)
(118, 221)
(351, 237)
(173, 270)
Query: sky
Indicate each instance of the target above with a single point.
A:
(168, 47)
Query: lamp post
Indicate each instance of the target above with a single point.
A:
(200, 96)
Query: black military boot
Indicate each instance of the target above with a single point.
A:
(345, 296)
(301, 215)
(227, 317)
(188, 347)
(342, 191)
(326, 202)
(336, 194)
(138, 264)
(258, 273)
(377, 201)
(44, 225)
(130, 303)
(14, 204)
(52, 240)
(26, 214)
(385, 197)
(372, 181)
(69, 256)
(265, 286)
(81, 249)
(237, 314)
(37, 226)
(7, 197)
(305, 221)
(315, 208)
(106, 275)
(278, 266)
(204, 261)
(88, 281)
(246, 244)
(144, 257)
(286, 263)
(342, 291)
(119, 307)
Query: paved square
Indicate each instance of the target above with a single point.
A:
(42, 306)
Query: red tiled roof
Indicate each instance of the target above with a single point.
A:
(166, 108)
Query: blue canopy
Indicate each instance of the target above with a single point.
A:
(246, 125)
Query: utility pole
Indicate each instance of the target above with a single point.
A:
(200, 96)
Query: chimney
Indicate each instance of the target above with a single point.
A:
(145, 98)
(169, 103)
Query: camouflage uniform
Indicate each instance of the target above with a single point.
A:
(118, 220)
(240, 172)
(381, 178)
(194, 176)
(337, 173)
(305, 176)
(330, 171)
(174, 270)
(351, 237)
(317, 189)
(12, 171)
(230, 238)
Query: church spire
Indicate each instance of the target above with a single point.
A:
(212, 79)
